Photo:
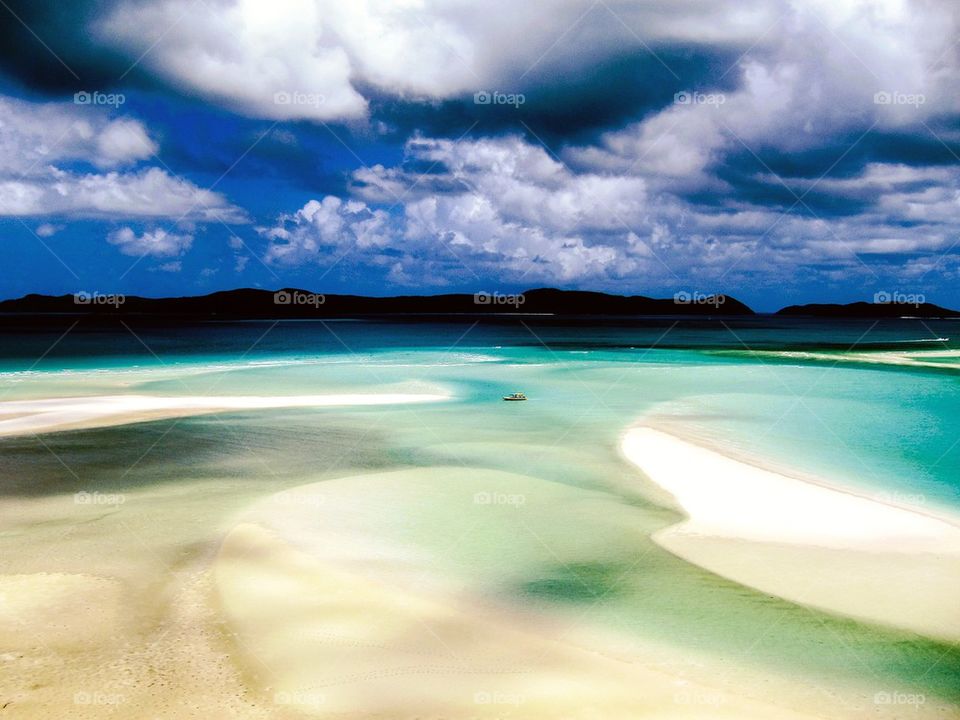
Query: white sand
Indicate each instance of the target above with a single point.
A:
(52, 414)
(132, 613)
(805, 541)
(330, 641)
(938, 359)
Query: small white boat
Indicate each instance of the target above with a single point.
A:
(515, 396)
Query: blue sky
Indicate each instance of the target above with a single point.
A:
(776, 151)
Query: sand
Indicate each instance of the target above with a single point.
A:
(19, 417)
(321, 601)
(804, 541)
(328, 639)
(181, 619)
(306, 604)
(339, 608)
(948, 359)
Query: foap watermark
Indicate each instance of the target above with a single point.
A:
(98, 498)
(98, 298)
(298, 98)
(98, 698)
(885, 97)
(84, 97)
(486, 97)
(498, 298)
(694, 696)
(295, 297)
(499, 498)
(292, 499)
(902, 498)
(494, 697)
(895, 697)
(698, 298)
(896, 297)
(692, 97)
(302, 698)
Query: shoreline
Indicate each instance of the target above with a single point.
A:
(807, 542)
(28, 417)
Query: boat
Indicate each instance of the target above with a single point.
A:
(515, 396)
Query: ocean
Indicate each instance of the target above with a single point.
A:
(547, 518)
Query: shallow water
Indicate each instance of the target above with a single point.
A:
(571, 536)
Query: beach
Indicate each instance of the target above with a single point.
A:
(306, 636)
(457, 360)
(385, 537)
(805, 541)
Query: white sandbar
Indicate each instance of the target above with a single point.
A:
(803, 541)
(21, 417)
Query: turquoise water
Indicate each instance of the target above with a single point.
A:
(874, 427)
(883, 429)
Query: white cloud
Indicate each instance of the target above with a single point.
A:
(242, 52)
(504, 208)
(149, 193)
(123, 141)
(824, 55)
(35, 135)
(517, 211)
(326, 227)
(155, 243)
(60, 159)
(46, 230)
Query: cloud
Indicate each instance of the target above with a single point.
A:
(327, 56)
(218, 52)
(35, 135)
(505, 208)
(154, 243)
(123, 141)
(77, 161)
(149, 193)
(804, 69)
(46, 230)
(501, 206)
(878, 66)
(326, 227)
(710, 170)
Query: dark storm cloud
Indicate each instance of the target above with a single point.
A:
(770, 179)
(46, 46)
(561, 104)
(800, 181)
(936, 143)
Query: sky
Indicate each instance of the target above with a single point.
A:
(775, 151)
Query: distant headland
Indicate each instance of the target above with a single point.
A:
(296, 303)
